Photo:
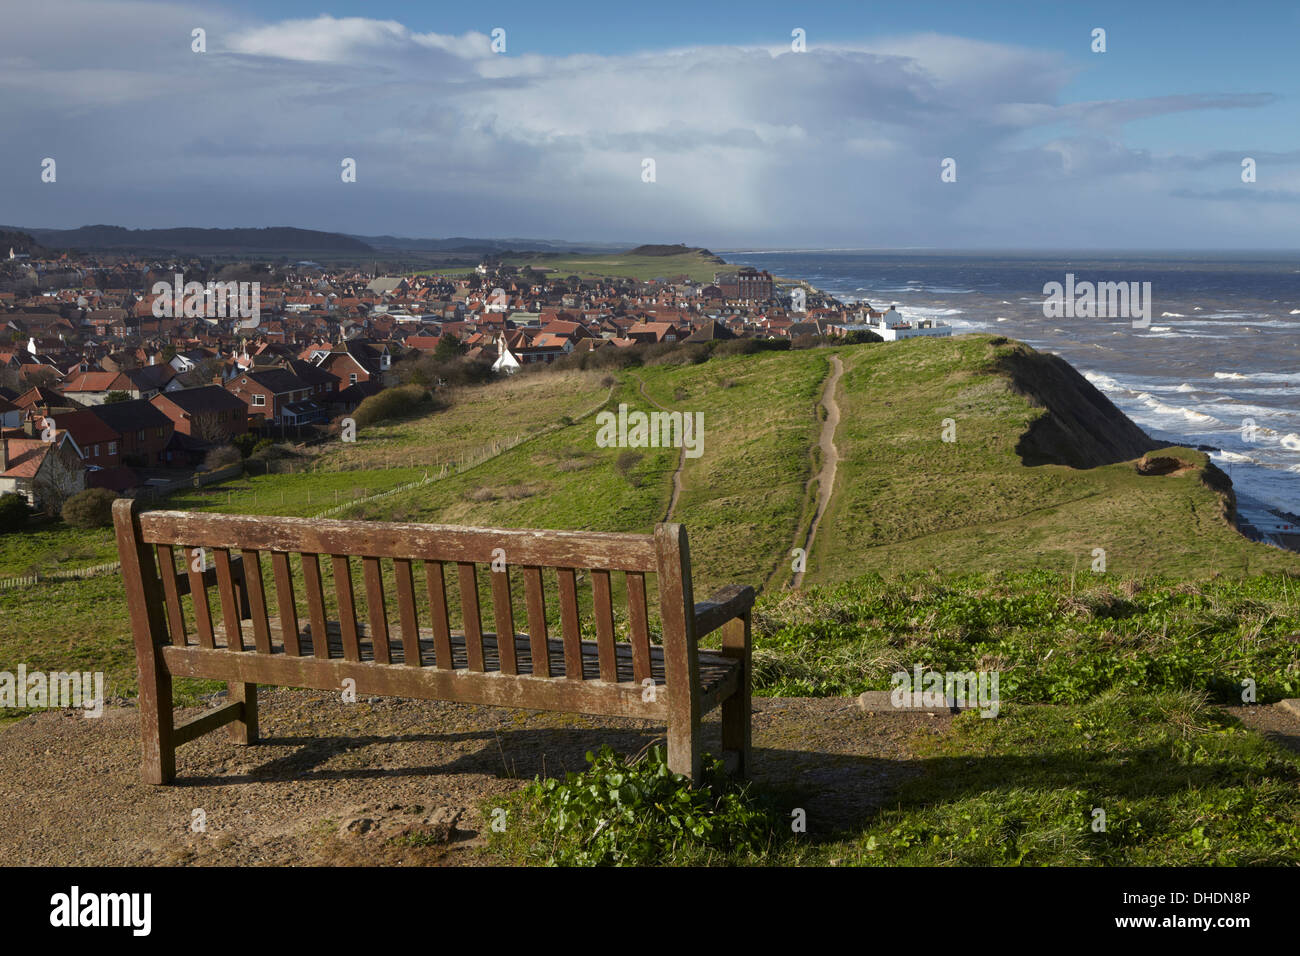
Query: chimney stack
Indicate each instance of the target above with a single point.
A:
(4, 454)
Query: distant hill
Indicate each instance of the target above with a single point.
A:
(19, 242)
(675, 250)
(461, 244)
(274, 239)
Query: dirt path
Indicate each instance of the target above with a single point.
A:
(385, 781)
(830, 461)
(681, 455)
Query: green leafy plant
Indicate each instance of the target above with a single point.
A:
(636, 812)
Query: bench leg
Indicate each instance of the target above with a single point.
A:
(684, 745)
(244, 730)
(158, 763)
(736, 708)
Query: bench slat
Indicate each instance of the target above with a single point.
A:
(575, 549)
(639, 625)
(171, 595)
(347, 608)
(504, 614)
(252, 566)
(199, 595)
(375, 609)
(437, 585)
(284, 600)
(569, 626)
(535, 596)
(603, 607)
(315, 604)
(229, 602)
(406, 612)
(469, 609)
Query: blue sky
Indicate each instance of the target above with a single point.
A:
(754, 144)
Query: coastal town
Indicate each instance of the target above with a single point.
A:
(120, 374)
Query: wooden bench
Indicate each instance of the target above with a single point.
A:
(246, 638)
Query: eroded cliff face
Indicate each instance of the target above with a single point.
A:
(1082, 428)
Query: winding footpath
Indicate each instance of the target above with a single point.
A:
(830, 461)
(681, 455)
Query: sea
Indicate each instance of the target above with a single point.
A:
(1219, 365)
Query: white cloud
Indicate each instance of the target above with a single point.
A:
(752, 145)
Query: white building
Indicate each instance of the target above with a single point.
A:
(892, 327)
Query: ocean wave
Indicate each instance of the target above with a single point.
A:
(1230, 376)
(1172, 315)
(1163, 408)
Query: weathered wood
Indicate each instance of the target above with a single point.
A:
(148, 626)
(427, 683)
(503, 613)
(723, 605)
(315, 602)
(603, 610)
(470, 614)
(570, 628)
(638, 625)
(406, 612)
(243, 730)
(230, 615)
(437, 586)
(347, 608)
(601, 676)
(252, 565)
(284, 601)
(535, 597)
(208, 575)
(199, 598)
(577, 549)
(736, 645)
(681, 664)
(207, 722)
(376, 610)
(171, 595)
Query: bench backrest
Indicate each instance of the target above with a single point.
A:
(152, 543)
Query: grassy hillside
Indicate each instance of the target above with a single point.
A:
(906, 505)
(632, 265)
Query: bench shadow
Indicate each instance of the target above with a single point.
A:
(841, 793)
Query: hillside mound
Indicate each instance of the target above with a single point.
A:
(1082, 428)
(673, 250)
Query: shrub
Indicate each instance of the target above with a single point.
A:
(390, 403)
(637, 812)
(92, 508)
(13, 512)
(627, 460)
(221, 457)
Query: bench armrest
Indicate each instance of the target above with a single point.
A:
(722, 606)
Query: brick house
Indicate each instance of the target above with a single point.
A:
(144, 431)
(208, 413)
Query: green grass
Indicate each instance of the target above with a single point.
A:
(615, 265)
(1180, 784)
(905, 500)
(1051, 639)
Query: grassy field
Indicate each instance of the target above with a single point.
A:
(618, 265)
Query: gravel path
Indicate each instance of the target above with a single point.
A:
(341, 784)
